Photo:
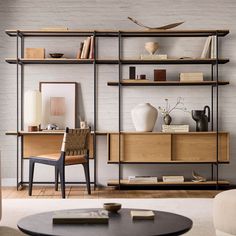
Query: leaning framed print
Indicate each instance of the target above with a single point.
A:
(59, 105)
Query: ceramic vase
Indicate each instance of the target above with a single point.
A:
(167, 119)
(144, 117)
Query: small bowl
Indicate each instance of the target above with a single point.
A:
(112, 207)
(56, 55)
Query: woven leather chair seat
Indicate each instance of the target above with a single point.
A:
(69, 160)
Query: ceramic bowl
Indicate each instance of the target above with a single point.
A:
(112, 207)
(56, 55)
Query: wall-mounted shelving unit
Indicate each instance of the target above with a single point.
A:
(214, 83)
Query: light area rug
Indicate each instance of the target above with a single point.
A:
(199, 210)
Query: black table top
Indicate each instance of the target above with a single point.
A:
(120, 224)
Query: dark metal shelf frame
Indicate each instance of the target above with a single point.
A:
(214, 63)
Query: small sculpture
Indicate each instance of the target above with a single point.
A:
(201, 118)
(164, 27)
(197, 177)
(151, 47)
(52, 127)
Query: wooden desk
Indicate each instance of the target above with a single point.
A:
(41, 142)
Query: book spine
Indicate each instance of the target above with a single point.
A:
(80, 50)
(91, 52)
(86, 53)
(83, 50)
(213, 47)
(205, 51)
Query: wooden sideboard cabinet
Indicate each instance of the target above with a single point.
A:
(192, 147)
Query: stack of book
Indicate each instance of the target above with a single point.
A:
(209, 50)
(79, 217)
(142, 215)
(153, 57)
(191, 77)
(173, 179)
(175, 128)
(143, 179)
(86, 50)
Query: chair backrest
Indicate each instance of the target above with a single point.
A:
(76, 141)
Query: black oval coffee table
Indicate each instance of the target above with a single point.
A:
(120, 224)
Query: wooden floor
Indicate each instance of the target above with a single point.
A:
(80, 192)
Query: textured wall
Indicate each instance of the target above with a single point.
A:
(111, 14)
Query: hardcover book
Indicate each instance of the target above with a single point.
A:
(80, 217)
(191, 77)
(206, 49)
(87, 48)
(175, 128)
(173, 179)
(80, 50)
(144, 179)
(91, 53)
(142, 215)
(153, 57)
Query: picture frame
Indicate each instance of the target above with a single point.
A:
(59, 105)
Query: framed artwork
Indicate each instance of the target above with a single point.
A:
(59, 104)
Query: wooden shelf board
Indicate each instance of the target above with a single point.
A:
(165, 133)
(49, 132)
(169, 162)
(126, 33)
(50, 61)
(175, 61)
(114, 61)
(125, 182)
(165, 83)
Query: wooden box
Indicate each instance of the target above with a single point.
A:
(34, 53)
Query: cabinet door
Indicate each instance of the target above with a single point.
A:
(199, 147)
(140, 147)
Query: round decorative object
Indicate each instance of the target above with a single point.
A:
(112, 207)
(144, 117)
(224, 214)
(151, 47)
(167, 119)
(56, 55)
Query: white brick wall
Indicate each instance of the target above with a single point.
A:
(112, 14)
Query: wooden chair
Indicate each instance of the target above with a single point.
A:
(74, 150)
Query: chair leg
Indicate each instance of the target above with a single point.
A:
(62, 179)
(56, 178)
(31, 175)
(87, 176)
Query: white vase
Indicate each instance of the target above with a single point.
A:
(144, 117)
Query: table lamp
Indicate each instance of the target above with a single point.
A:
(33, 110)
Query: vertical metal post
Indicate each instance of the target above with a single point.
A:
(95, 109)
(217, 111)
(22, 108)
(17, 109)
(212, 99)
(212, 114)
(119, 105)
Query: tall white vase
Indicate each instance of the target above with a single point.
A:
(144, 117)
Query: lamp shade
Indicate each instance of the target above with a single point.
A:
(32, 108)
